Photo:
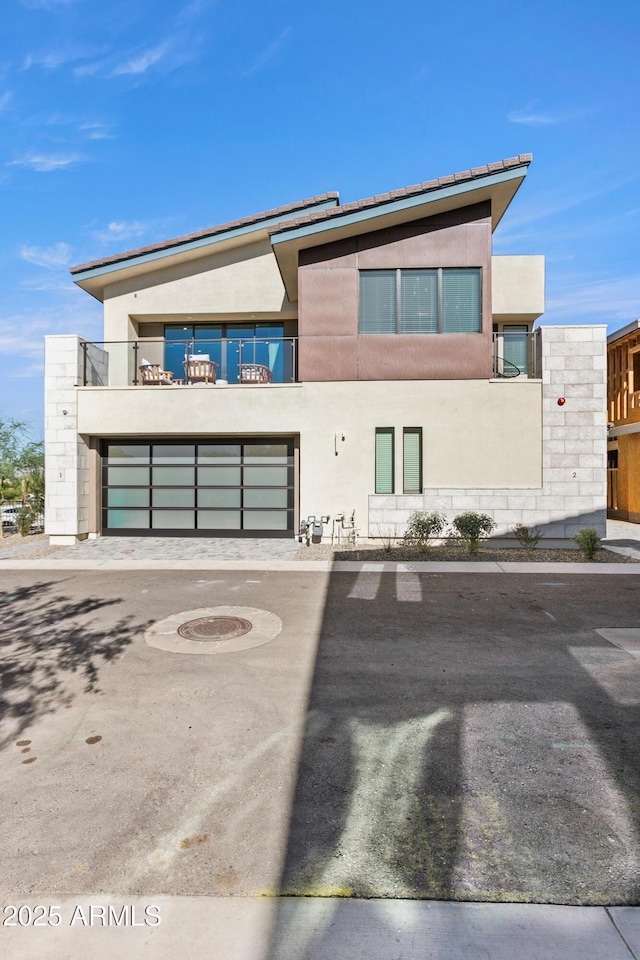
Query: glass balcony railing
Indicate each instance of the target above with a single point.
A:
(514, 354)
(232, 360)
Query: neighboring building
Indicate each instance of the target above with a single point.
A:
(623, 405)
(372, 356)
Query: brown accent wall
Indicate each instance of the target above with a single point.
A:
(330, 347)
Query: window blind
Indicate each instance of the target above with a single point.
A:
(384, 460)
(461, 301)
(412, 460)
(419, 301)
(378, 312)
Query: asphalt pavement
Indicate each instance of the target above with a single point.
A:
(412, 764)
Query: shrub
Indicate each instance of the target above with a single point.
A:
(527, 537)
(588, 541)
(472, 527)
(423, 527)
(24, 521)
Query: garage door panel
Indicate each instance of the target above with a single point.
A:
(206, 488)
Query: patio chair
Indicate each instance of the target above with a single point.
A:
(198, 368)
(152, 374)
(254, 373)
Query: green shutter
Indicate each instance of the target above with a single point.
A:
(419, 301)
(412, 460)
(377, 311)
(384, 460)
(461, 311)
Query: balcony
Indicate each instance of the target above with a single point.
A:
(235, 360)
(515, 355)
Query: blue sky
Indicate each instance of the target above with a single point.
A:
(132, 121)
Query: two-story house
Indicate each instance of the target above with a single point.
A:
(623, 405)
(324, 358)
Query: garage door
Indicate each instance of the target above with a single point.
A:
(206, 487)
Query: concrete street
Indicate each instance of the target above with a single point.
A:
(406, 736)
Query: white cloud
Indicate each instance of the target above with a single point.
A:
(48, 286)
(587, 300)
(97, 130)
(533, 119)
(532, 116)
(271, 51)
(5, 99)
(135, 64)
(121, 230)
(45, 4)
(141, 62)
(33, 370)
(58, 255)
(45, 163)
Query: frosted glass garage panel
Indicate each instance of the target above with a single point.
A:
(268, 497)
(218, 519)
(219, 498)
(219, 476)
(174, 453)
(128, 476)
(173, 476)
(219, 453)
(133, 497)
(266, 453)
(120, 454)
(174, 498)
(128, 519)
(265, 519)
(265, 476)
(172, 519)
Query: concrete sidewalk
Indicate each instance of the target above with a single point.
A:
(243, 928)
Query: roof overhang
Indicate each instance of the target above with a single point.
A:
(499, 188)
(95, 277)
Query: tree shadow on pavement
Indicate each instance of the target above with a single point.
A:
(51, 644)
(473, 740)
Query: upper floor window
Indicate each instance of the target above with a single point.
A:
(443, 300)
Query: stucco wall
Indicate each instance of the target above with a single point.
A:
(472, 430)
(517, 287)
(243, 282)
(573, 491)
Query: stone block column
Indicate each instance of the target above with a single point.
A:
(66, 452)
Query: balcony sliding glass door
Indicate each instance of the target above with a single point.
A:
(228, 345)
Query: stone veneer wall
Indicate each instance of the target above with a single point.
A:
(573, 361)
(66, 453)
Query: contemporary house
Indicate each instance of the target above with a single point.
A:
(623, 406)
(322, 359)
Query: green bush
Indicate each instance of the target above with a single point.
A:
(424, 527)
(527, 537)
(24, 521)
(472, 527)
(588, 542)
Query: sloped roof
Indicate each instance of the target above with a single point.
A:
(524, 159)
(254, 220)
(318, 220)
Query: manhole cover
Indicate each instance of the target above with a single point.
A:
(214, 628)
